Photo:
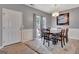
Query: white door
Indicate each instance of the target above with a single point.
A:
(11, 26)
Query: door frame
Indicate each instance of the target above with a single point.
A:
(34, 24)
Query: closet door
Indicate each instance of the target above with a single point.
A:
(11, 26)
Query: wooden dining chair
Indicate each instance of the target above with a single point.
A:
(46, 38)
(66, 34)
(63, 37)
(50, 37)
(44, 30)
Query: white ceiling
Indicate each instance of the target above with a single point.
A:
(49, 8)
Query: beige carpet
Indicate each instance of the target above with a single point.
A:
(18, 48)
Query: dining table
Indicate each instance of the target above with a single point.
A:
(53, 34)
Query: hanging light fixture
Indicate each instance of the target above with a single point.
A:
(56, 12)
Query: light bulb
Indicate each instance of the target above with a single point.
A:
(55, 14)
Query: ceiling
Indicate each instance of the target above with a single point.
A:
(49, 8)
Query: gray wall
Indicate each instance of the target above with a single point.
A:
(73, 18)
(27, 15)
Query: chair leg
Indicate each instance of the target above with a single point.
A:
(66, 39)
(52, 42)
(44, 42)
(61, 43)
(48, 43)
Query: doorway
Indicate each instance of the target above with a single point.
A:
(39, 22)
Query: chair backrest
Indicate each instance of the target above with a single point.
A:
(44, 31)
(46, 35)
(65, 32)
(62, 32)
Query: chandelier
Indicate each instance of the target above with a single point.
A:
(56, 12)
